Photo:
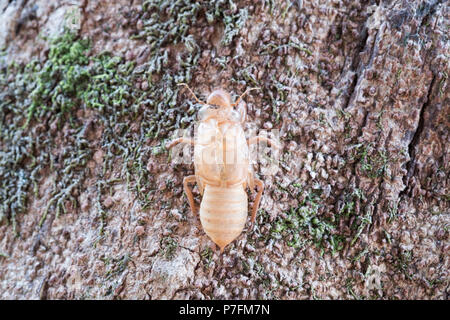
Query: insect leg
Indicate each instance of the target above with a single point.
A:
(260, 185)
(179, 140)
(187, 189)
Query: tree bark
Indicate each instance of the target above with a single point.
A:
(359, 207)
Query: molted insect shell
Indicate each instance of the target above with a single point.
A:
(223, 213)
(204, 113)
(210, 111)
(235, 116)
(220, 98)
(222, 169)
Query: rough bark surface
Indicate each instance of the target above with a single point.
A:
(358, 210)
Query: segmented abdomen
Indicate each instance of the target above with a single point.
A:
(223, 213)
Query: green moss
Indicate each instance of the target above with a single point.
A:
(59, 83)
(361, 254)
(393, 211)
(350, 199)
(49, 93)
(116, 266)
(207, 255)
(17, 172)
(233, 24)
(403, 262)
(275, 93)
(360, 223)
(42, 94)
(349, 285)
(172, 23)
(304, 224)
(169, 246)
(373, 163)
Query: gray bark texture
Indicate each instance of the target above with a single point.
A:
(92, 207)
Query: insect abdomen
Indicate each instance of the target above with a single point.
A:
(223, 213)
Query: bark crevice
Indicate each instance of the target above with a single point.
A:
(412, 146)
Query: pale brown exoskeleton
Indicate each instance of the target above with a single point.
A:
(222, 168)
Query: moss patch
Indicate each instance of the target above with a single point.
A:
(304, 224)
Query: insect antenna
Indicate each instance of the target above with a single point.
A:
(195, 97)
(239, 99)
